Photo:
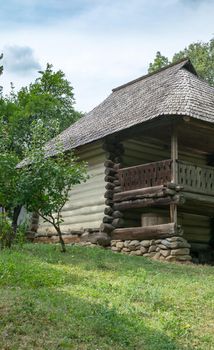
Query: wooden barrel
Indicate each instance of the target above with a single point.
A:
(150, 219)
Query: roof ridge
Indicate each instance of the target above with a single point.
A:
(186, 61)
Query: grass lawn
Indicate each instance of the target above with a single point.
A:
(90, 298)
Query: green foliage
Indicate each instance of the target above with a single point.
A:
(28, 119)
(50, 98)
(44, 186)
(94, 299)
(8, 175)
(160, 61)
(20, 238)
(201, 55)
(6, 231)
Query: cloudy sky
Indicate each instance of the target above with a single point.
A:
(99, 44)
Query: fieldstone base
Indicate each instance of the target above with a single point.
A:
(169, 249)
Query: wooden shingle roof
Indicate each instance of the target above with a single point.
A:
(174, 90)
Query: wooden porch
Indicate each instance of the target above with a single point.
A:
(161, 184)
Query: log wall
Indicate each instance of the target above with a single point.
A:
(85, 208)
(197, 228)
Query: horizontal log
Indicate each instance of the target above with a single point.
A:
(109, 186)
(118, 189)
(118, 222)
(145, 190)
(117, 166)
(109, 202)
(203, 198)
(109, 194)
(107, 219)
(117, 214)
(96, 185)
(142, 192)
(110, 171)
(107, 228)
(108, 211)
(148, 232)
(81, 219)
(116, 182)
(71, 227)
(109, 164)
(109, 178)
(195, 247)
(113, 147)
(197, 231)
(87, 202)
(173, 186)
(93, 209)
(118, 159)
(141, 203)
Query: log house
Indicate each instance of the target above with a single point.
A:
(150, 149)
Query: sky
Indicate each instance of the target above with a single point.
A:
(98, 44)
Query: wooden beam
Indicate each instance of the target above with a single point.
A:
(141, 203)
(174, 179)
(147, 232)
(132, 193)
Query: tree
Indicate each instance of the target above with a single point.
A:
(160, 61)
(49, 98)
(201, 55)
(8, 188)
(44, 184)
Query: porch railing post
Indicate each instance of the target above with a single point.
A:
(174, 173)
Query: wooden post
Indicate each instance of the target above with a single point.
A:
(112, 219)
(174, 179)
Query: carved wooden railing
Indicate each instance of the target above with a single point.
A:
(146, 175)
(194, 178)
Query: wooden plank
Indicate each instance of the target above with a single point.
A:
(141, 203)
(131, 193)
(148, 232)
(203, 198)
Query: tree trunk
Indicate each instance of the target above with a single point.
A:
(63, 249)
(16, 213)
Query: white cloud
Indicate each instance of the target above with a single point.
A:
(111, 42)
(20, 60)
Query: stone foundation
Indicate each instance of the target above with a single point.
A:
(168, 249)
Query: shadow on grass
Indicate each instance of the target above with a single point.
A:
(57, 320)
(56, 307)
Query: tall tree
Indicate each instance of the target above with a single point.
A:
(201, 55)
(49, 98)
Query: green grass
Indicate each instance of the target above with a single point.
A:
(90, 298)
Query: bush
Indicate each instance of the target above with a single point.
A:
(6, 232)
